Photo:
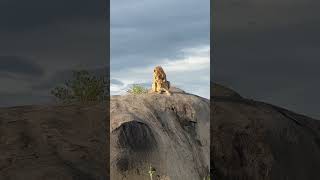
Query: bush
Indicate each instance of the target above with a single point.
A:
(137, 89)
(83, 88)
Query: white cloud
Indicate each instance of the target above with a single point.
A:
(196, 59)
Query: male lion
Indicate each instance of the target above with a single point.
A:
(160, 83)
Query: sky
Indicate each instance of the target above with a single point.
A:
(42, 42)
(174, 34)
(269, 50)
(265, 49)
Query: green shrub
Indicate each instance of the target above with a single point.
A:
(137, 89)
(83, 88)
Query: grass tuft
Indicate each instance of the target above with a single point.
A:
(137, 89)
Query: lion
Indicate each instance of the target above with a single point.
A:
(160, 83)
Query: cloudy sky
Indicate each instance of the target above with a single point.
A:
(172, 33)
(41, 42)
(264, 49)
(270, 50)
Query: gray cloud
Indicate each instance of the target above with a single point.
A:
(144, 32)
(116, 82)
(19, 65)
(44, 40)
(17, 14)
(269, 50)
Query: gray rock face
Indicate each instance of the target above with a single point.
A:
(249, 140)
(53, 143)
(168, 133)
(255, 140)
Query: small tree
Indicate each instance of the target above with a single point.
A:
(83, 88)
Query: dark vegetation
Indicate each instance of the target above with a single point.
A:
(84, 88)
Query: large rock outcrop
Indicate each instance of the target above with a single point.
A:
(249, 140)
(255, 140)
(53, 143)
(168, 133)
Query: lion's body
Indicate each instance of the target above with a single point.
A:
(160, 83)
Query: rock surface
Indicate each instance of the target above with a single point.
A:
(170, 133)
(249, 140)
(255, 140)
(53, 143)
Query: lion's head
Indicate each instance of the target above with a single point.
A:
(159, 74)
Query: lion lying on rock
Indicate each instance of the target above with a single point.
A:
(160, 83)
